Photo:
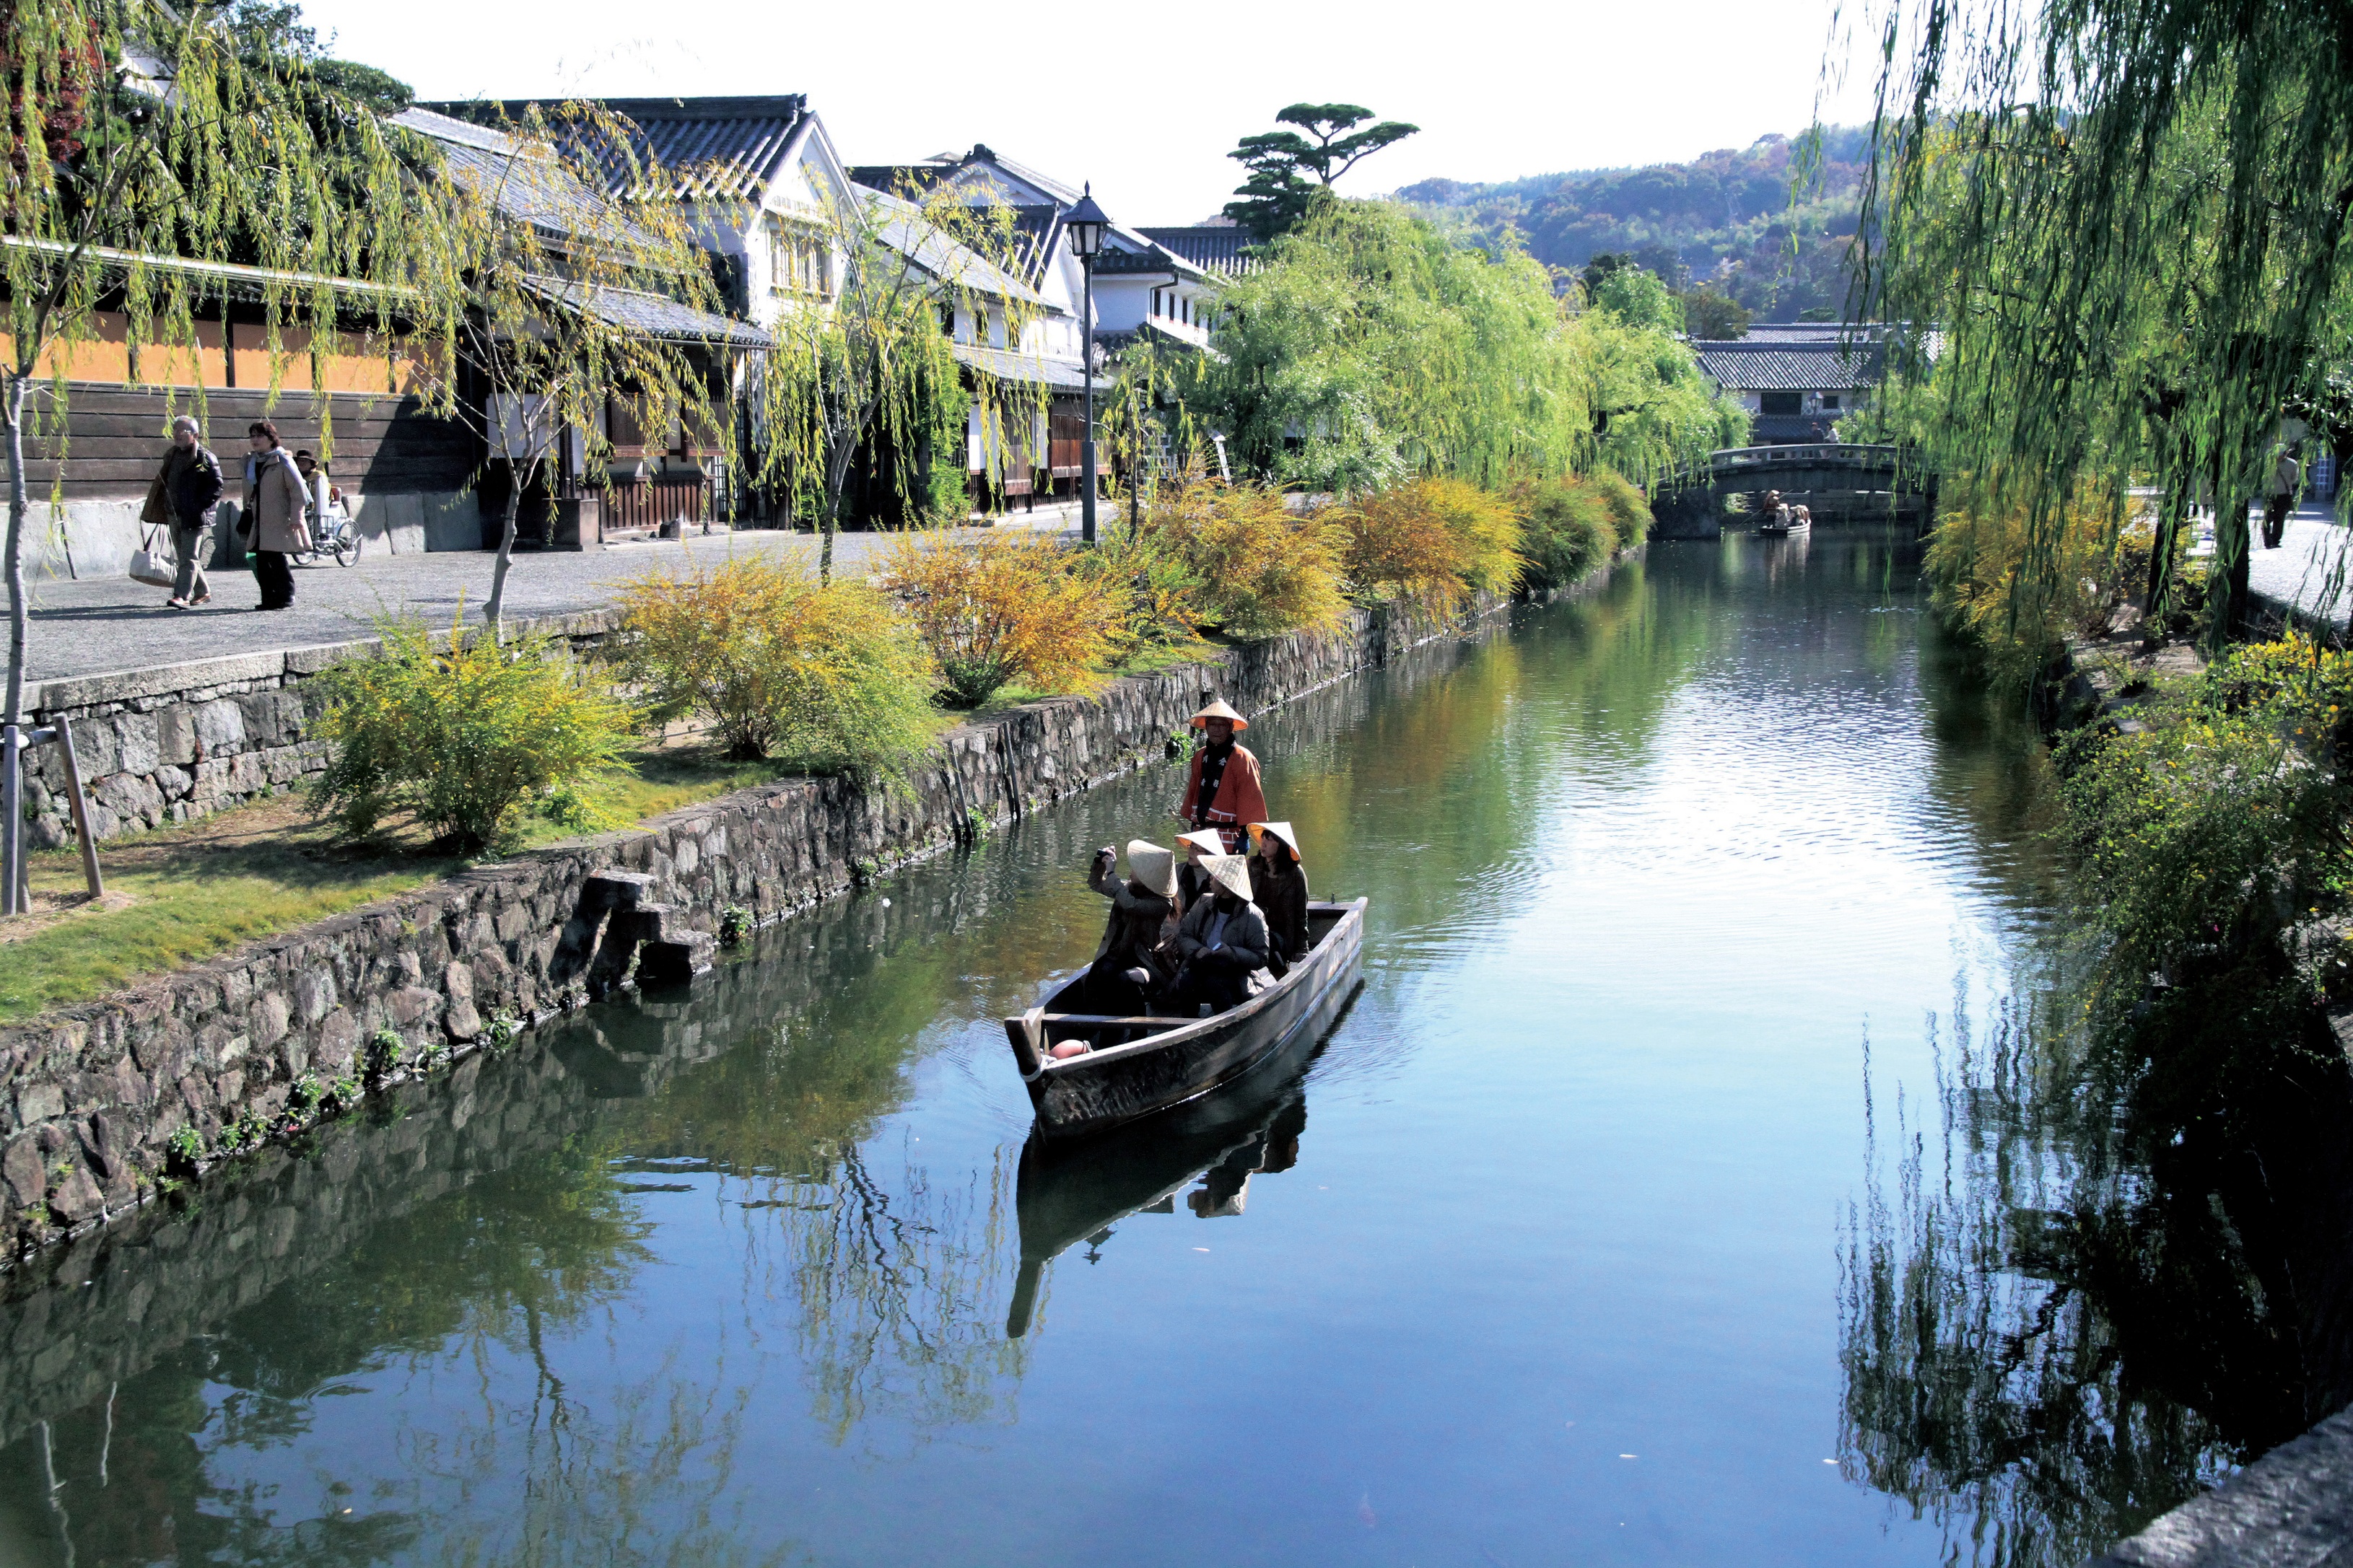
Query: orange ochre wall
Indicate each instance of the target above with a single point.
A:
(352, 363)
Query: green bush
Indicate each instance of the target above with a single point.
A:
(2210, 847)
(463, 741)
(1163, 590)
(1629, 510)
(1567, 530)
(827, 676)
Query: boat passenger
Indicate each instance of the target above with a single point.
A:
(1221, 787)
(1192, 882)
(1134, 959)
(1278, 889)
(1221, 942)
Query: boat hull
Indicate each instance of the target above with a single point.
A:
(1108, 1088)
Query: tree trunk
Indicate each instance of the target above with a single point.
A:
(12, 819)
(506, 558)
(837, 477)
(17, 613)
(2170, 515)
(2226, 582)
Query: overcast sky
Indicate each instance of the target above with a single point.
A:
(1146, 101)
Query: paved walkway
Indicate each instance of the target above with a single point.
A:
(2311, 572)
(112, 624)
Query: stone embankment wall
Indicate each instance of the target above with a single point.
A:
(184, 740)
(91, 1098)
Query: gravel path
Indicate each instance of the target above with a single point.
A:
(114, 624)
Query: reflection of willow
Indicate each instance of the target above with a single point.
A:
(2047, 1340)
(901, 1292)
(898, 1280)
(645, 1474)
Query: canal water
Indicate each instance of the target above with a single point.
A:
(1658, 1200)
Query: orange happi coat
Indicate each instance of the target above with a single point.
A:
(1238, 800)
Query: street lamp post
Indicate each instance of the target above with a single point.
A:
(1085, 224)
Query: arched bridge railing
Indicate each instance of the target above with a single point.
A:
(1739, 465)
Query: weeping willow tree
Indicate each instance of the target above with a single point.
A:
(586, 303)
(865, 367)
(140, 138)
(2128, 217)
(1371, 347)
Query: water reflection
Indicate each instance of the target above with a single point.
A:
(1073, 1194)
(2067, 1313)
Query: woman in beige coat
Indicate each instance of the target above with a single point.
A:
(274, 500)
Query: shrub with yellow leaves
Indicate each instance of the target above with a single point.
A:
(1264, 569)
(827, 676)
(1015, 607)
(1433, 543)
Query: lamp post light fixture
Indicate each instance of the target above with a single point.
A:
(1086, 225)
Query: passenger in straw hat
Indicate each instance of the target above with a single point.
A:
(1222, 942)
(1222, 789)
(1278, 889)
(1192, 882)
(1133, 961)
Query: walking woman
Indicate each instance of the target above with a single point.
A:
(274, 502)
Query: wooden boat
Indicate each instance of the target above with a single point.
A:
(1141, 1066)
(1800, 519)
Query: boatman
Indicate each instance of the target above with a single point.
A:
(1221, 790)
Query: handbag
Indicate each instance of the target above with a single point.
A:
(159, 569)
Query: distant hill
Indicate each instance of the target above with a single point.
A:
(1725, 216)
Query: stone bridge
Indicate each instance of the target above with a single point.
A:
(1840, 481)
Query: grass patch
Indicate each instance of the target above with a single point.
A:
(181, 895)
(178, 895)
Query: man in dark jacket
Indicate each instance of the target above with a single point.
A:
(192, 492)
(1221, 942)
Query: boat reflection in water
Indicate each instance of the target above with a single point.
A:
(1070, 1192)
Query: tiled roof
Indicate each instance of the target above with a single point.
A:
(721, 149)
(1007, 366)
(901, 226)
(652, 314)
(1214, 248)
(1740, 365)
(527, 189)
(925, 173)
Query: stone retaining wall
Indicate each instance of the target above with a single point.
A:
(184, 740)
(92, 1097)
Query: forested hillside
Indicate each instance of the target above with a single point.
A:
(1726, 218)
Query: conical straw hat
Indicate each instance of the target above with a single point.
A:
(1154, 866)
(1218, 708)
(1281, 830)
(1205, 839)
(1230, 872)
